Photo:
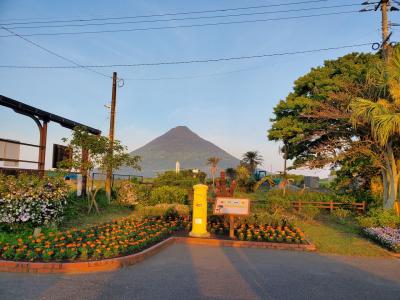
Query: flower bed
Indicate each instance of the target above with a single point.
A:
(115, 239)
(30, 200)
(261, 233)
(386, 236)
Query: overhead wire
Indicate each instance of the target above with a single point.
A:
(182, 26)
(184, 62)
(182, 19)
(54, 53)
(166, 14)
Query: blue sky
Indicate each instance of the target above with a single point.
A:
(228, 103)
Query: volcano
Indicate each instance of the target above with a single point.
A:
(183, 145)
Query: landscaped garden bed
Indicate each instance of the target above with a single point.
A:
(261, 233)
(119, 238)
(385, 236)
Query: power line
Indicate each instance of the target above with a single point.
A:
(182, 19)
(165, 14)
(211, 60)
(54, 53)
(184, 26)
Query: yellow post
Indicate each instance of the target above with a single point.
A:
(199, 223)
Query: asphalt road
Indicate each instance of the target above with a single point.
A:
(202, 272)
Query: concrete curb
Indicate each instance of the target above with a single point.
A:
(119, 262)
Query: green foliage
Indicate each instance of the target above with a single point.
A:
(184, 179)
(379, 217)
(309, 212)
(277, 203)
(131, 193)
(168, 194)
(252, 159)
(31, 200)
(266, 218)
(171, 214)
(103, 153)
(230, 173)
(162, 209)
(341, 215)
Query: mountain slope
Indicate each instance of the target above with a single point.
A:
(183, 145)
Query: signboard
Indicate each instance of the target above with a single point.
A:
(60, 153)
(232, 206)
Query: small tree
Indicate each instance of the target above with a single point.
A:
(99, 156)
(213, 163)
(252, 159)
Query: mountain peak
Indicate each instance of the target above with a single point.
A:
(183, 145)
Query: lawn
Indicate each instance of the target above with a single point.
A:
(332, 238)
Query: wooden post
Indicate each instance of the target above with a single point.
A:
(42, 148)
(85, 158)
(331, 206)
(231, 226)
(299, 205)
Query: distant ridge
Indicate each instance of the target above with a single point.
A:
(182, 144)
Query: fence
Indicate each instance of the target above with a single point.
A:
(359, 207)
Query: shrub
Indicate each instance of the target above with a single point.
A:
(309, 212)
(265, 218)
(277, 203)
(168, 194)
(341, 215)
(171, 214)
(379, 217)
(185, 179)
(161, 209)
(131, 193)
(32, 201)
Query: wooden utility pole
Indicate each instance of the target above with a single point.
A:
(385, 28)
(111, 134)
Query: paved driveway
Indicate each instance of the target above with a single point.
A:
(202, 272)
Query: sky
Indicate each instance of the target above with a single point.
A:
(229, 103)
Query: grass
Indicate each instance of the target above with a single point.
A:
(341, 239)
(77, 216)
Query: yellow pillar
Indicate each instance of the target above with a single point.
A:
(199, 218)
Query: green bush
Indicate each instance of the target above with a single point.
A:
(341, 215)
(171, 214)
(130, 193)
(185, 179)
(168, 194)
(32, 201)
(277, 203)
(379, 217)
(309, 212)
(265, 218)
(162, 209)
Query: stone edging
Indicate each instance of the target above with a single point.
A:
(119, 262)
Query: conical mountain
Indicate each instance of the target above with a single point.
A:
(183, 145)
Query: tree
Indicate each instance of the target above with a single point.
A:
(99, 156)
(382, 114)
(213, 163)
(231, 173)
(252, 159)
(315, 122)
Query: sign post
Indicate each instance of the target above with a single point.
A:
(232, 207)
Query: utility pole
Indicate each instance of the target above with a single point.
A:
(385, 28)
(111, 133)
(385, 6)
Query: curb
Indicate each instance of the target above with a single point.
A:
(119, 262)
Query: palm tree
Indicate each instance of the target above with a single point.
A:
(213, 163)
(382, 115)
(252, 159)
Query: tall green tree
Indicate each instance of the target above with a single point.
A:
(316, 121)
(382, 114)
(213, 163)
(252, 159)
